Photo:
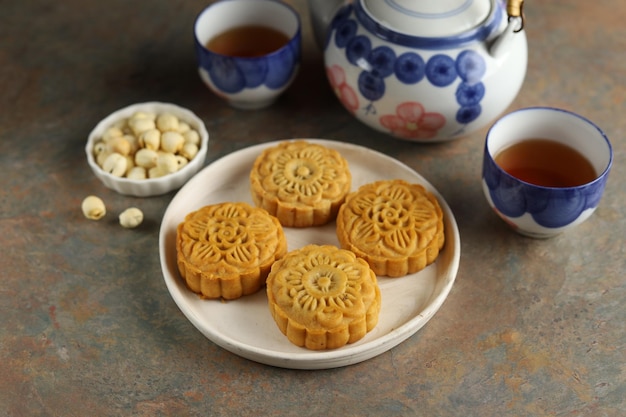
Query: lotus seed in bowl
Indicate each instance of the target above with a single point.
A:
(147, 149)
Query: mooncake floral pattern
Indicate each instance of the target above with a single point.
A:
(226, 241)
(319, 289)
(300, 176)
(377, 64)
(395, 226)
(307, 173)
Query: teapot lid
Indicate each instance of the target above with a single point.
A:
(428, 18)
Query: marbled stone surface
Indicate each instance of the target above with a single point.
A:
(530, 328)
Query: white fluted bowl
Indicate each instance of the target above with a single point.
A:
(149, 186)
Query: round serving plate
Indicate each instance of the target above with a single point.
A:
(245, 326)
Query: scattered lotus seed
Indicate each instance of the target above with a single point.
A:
(93, 208)
(131, 217)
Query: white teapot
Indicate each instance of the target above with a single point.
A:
(423, 70)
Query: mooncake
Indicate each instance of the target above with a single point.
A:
(301, 183)
(226, 250)
(397, 227)
(323, 297)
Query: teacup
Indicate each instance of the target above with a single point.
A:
(246, 69)
(542, 200)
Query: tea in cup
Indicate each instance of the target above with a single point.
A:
(545, 169)
(248, 51)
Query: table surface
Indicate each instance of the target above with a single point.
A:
(531, 327)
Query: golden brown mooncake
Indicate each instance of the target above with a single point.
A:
(323, 297)
(226, 250)
(301, 183)
(397, 227)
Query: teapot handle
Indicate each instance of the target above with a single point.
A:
(514, 9)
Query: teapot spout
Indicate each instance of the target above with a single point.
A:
(321, 13)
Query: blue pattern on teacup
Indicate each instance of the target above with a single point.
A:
(563, 206)
(232, 75)
(378, 63)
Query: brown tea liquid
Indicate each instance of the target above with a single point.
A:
(547, 163)
(247, 41)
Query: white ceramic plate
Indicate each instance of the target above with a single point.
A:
(245, 326)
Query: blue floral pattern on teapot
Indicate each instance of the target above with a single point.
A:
(419, 88)
(381, 62)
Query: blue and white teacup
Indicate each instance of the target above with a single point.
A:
(544, 211)
(248, 82)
